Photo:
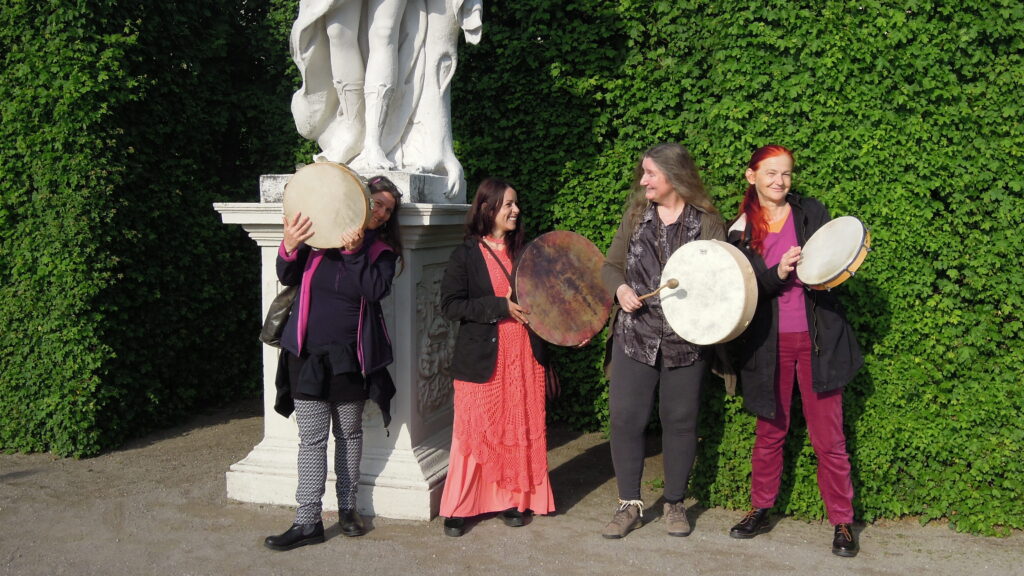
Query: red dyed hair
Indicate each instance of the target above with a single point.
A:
(751, 206)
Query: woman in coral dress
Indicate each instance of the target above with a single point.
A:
(499, 442)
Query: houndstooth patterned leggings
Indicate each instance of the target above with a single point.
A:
(315, 418)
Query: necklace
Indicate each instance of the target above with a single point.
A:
(496, 243)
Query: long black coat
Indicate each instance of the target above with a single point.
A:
(835, 355)
(467, 297)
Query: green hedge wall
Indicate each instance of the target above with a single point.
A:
(907, 115)
(126, 304)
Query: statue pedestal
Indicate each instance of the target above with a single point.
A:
(404, 467)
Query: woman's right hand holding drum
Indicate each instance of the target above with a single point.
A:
(628, 299)
(788, 262)
(297, 231)
(515, 311)
(352, 240)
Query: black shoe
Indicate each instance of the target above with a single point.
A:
(513, 518)
(297, 535)
(454, 527)
(350, 522)
(754, 523)
(845, 543)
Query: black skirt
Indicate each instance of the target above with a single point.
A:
(335, 380)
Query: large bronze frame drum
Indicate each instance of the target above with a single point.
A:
(558, 279)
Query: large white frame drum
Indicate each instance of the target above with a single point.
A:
(717, 292)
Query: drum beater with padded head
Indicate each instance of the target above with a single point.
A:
(672, 283)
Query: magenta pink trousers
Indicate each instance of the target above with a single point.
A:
(824, 415)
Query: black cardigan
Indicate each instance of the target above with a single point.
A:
(467, 297)
(835, 355)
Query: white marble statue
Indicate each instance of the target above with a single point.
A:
(376, 78)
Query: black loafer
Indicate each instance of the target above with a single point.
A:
(454, 527)
(844, 543)
(513, 518)
(351, 523)
(755, 522)
(297, 535)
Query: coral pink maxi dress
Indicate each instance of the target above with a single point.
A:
(499, 437)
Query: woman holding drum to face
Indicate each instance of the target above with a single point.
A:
(795, 332)
(499, 443)
(668, 208)
(335, 352)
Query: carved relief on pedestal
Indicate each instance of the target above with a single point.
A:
(436, 343)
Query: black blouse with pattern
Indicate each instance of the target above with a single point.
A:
(645, 332)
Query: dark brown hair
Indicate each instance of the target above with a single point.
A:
(480, 220)
(390, 231)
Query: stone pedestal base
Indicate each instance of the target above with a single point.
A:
(404, 467)
(416, 188)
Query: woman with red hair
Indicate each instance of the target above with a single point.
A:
(796, 334)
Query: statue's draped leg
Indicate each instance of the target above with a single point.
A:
(377, 103)
(343, 138)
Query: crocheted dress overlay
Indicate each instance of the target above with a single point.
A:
(501, 423)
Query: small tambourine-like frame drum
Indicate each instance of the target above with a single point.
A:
(833, 253)
(334, 198)
(715, 299)
(558, 279)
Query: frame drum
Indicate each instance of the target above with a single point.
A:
(558, 279)
(833, 253)
(334, 198)
(717, 292)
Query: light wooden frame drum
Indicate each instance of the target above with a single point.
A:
(558, 279)
(833, 253)
(334, 198)
(717, 292)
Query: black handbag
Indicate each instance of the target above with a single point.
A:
(277, 316)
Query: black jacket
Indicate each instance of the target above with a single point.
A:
(467, 296)
(835, 355)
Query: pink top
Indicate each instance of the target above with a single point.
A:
(792, 310)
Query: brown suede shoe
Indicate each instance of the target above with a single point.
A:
(627, 518)
(675, 519)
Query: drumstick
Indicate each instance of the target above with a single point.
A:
(672, 283)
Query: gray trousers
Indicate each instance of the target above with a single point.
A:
(315, 419)
(631, 399)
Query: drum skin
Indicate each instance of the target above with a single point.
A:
(717, 292)
(833, 253)
(334, 198)
(558, 279)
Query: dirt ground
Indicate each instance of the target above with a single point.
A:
(158, 506)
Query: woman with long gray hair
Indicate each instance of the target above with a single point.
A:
(667, 208)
